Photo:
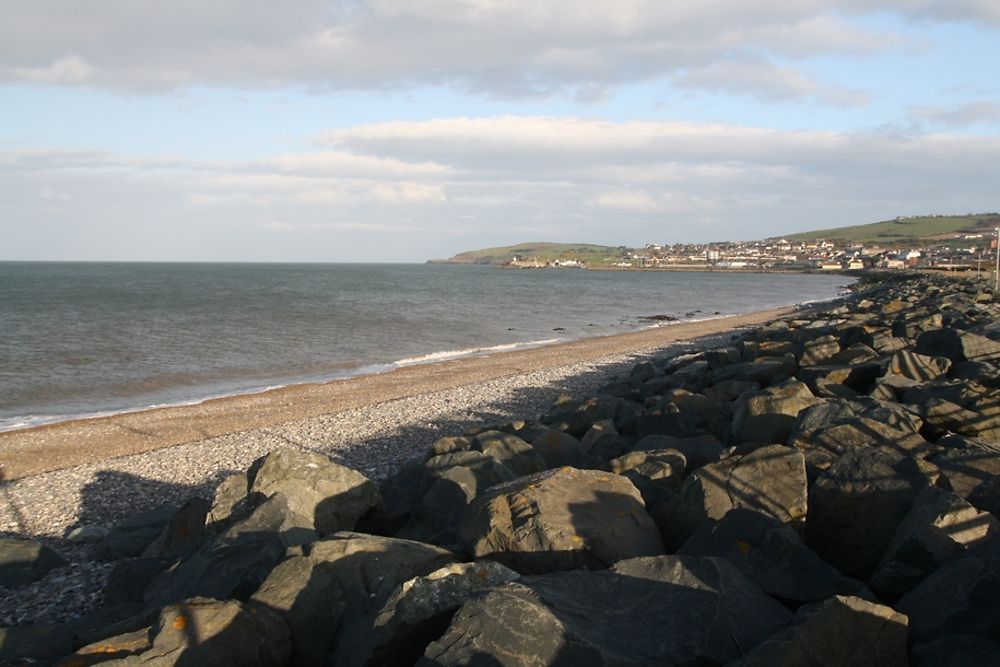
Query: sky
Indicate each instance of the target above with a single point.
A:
(404, 130)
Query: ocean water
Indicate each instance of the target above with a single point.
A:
(80, 339)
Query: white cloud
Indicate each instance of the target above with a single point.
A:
(626, 200)
(768, 82)
(493, 180)
(964, 115)
(511, 48)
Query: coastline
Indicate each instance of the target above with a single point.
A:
(49, 447)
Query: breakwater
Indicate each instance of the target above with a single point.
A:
(828, 475)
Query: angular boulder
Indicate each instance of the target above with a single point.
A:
(561, 519)
(957, 599)
(202, 631)
(769, 416)
(957, 345)
(838, 631)
(856, 505)
(940, 527)
(705, 613)
(771, 480)
(772, 555)
(23, 561)
(919, 367)
(558, 449)
(333, 496)
(969, 470)
(417, 613)
(510, 450)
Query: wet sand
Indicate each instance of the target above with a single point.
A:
(51, 447)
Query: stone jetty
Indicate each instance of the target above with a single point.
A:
(819, 491)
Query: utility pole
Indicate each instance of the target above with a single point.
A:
(996, 279)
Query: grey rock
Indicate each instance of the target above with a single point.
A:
(957, 599)
(705, 611)
(957, 345)
(308, 597)
(273, 518)
(918, 367)
(334, 497)
(510, 450)
(771, 554)
(450, 444)
(88, 534)
(130, 577)
(823, 446)
(201, 631)
(771, 480)
(838, 631)
(112, 648)
(697, 451)
(34, 643)
(229, 495)
(561, 519)
(128, 538)
(23, 561)
(955, 651)
(856, 505)
(369, 567)
(183, 533)
(418, 612)
(940, 527)
(558, 449)
(818, 350)
(769, 416)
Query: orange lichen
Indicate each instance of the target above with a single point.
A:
(180, 623)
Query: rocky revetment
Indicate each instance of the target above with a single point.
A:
(822, 490)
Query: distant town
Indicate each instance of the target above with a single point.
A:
(934, 242)
(972, 253)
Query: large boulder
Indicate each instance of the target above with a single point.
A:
(665, 610)
(771, 480)
(697, 451)
(130, 537)
(336, 579)
(561, 519)
(826, 444)
(955, 651)
(558, 449)
(417, 613)
(183, 533)
(510, 450)
(333, 496)
(957, 345)
(23, 561)
(306, 594)
(369, 567)
(772, 555)
(856, 505)
(202, 631)
(838, 631)
(940, 527)
(770, 415)
(970, 468)
(919, 367)
(958, 599)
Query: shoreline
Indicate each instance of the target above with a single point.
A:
(65, 444)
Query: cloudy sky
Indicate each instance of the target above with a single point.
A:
(400, 130)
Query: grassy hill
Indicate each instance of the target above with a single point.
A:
(904, 230)
(545, 252)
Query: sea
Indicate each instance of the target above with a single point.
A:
(89, 339)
